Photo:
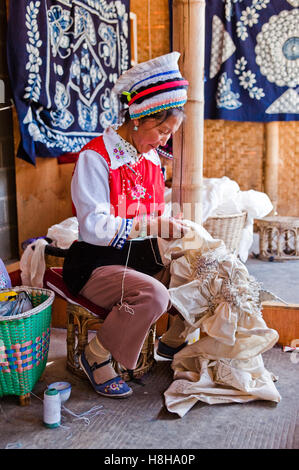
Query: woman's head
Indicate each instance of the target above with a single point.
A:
(154, 131)
(152, 86)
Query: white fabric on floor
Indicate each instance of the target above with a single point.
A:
(213, 291)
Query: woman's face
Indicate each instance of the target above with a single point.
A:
(152, 134)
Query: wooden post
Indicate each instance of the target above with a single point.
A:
(272, 162)
(189, 40)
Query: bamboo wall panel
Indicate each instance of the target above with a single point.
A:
(152, 28)
(288, 173)
(235, 150)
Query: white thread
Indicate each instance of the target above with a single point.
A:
(94, 411)
(13, 445)
(128, 309)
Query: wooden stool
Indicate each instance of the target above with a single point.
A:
(84, 316)
(278, 237)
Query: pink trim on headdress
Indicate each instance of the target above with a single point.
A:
(158, 88)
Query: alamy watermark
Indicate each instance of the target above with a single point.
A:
(106, 227)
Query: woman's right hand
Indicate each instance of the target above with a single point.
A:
(168, 228)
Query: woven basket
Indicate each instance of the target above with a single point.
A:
(227, 228)
(24, 343)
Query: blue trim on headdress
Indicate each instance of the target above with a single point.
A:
(153, 76)
(157, 109)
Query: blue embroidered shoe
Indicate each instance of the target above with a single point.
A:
(113, 388)
(168, 352)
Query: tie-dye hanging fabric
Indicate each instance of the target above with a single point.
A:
(252, 60)
(64, 57)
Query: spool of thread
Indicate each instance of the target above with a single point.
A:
(52, 408)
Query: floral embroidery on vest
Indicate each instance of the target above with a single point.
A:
(118, 151)
(138, 192)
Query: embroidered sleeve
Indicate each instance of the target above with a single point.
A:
(91, 197)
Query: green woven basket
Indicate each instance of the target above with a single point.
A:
(24, 343)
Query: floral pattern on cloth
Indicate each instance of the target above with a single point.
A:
(72, 52)
(251, 60)
(212, 290)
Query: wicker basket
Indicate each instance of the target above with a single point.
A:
(227, 228)
(24, 343)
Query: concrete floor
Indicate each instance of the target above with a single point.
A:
(280, 277)
(142, 421)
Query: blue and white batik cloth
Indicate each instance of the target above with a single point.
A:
(252, 60)
(64, 57)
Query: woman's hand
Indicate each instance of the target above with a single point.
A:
(168, 228)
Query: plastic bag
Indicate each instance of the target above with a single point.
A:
(32, 264)
(65, 233)
(15, 304)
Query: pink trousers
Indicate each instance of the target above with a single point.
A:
(135, 301)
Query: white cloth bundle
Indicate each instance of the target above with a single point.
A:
(213, 290)
(222, 196)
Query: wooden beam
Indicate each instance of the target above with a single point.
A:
(189, 40)
(272, 163)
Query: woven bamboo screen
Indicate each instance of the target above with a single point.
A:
(235, 150)
(232, 149)
(288, 177)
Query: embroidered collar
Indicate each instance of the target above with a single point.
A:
(122, 152)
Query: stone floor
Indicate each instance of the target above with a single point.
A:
(142, 421)
(280, 277)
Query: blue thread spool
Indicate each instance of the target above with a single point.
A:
(52, 408)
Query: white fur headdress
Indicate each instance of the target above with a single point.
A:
(153, 86)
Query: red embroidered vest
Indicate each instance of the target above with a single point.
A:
(134, 189)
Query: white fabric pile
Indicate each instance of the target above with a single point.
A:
(213, 291)
(222, 196)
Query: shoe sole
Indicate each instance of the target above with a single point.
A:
(125, 395)
(164, 355)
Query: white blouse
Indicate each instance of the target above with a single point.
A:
(91, 193)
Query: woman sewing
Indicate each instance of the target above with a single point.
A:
(118, 193)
